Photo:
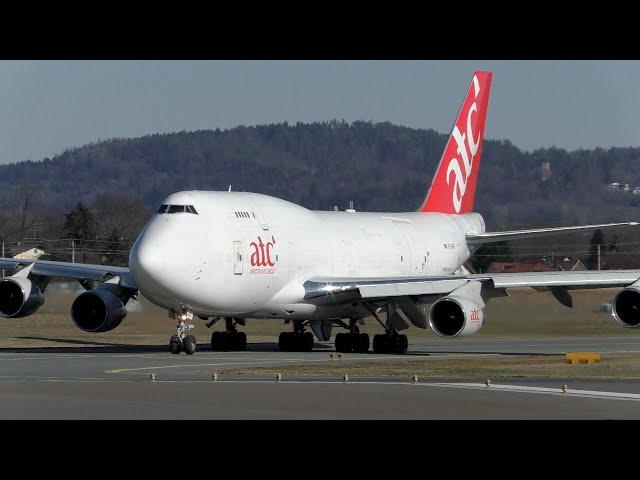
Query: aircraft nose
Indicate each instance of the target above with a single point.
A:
(146, 260)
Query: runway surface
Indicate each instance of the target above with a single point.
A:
(113, 381)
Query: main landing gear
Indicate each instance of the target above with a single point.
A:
(229, 340)
(390, 341)
(296, 341)
(182, 341)
(354, 341)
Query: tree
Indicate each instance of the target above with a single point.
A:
(487, 254)
(596, 240)
(115, 246)
(80, 227)
(26, 198)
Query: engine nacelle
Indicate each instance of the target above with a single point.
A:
(19, 297)
(98, 310)
(455, 316)
(626, 307)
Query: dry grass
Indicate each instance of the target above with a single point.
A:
(525, 314)
(552, 366)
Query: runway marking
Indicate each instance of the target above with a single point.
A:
(258, 362)
(601, 395)
(575, 393)
(543, 390)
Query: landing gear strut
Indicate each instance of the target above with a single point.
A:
(354, 341)
(231, 339)
(296, 341)
(390, 341)
(182, 341)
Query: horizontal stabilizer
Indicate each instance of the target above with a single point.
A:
(491, 237)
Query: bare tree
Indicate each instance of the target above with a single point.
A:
(126, 216)
(27, 195)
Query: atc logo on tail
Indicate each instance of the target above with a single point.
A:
(454, 184)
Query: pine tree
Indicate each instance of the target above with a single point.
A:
(487, 254)
(80, 226)
(597, 239)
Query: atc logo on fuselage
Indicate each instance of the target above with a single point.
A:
(263, 258)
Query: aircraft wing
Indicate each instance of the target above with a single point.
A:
(336, 291)
(77, 271)
(490, 237)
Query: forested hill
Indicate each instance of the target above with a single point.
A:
(381, 167)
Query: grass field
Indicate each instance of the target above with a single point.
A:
(494, 367)
(524, 314)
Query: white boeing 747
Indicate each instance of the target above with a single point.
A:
(235, 256)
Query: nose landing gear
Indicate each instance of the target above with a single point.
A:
(182, 341)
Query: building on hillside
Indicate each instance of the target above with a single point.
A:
(518, 267)
(31, 254)
(545, 171)
(619, 261)
(569, 264)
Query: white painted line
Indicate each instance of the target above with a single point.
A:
(258, 362)
(543, 390)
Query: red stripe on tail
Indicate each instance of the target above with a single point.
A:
(454, 185)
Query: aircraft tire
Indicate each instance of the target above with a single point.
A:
(403, 344)
(284, 342)
(380, 343)
(240, 341)
(189, 344)
(219, 341)
(342, 343)
(362, 343)
(175, 346)
(306, 342)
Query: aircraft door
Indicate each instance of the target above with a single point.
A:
(417, 248)
(237, 257)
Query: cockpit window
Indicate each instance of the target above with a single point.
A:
(177, 209)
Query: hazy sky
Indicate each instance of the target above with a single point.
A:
(48, 106)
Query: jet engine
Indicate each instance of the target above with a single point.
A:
(626, 307)
(98, 310)
(454, 316)
(19, 297)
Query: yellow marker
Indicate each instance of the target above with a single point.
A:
(582, 357)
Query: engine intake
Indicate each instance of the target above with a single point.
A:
(626, 307)
(455, 316)
(98, 310)
(19, 297)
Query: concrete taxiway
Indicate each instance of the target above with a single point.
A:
(113, 381)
